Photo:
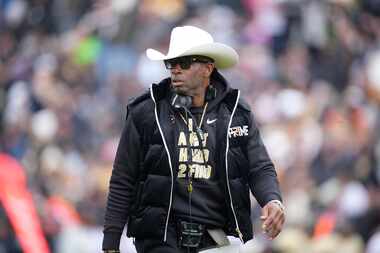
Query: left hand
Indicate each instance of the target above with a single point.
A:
(273, 218)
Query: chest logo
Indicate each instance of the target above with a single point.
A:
(210, 121)
(238, 131)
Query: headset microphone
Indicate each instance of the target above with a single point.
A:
(181, 101)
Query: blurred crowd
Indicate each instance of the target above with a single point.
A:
(309, 68)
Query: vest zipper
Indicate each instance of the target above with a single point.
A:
(170, 163)
(226, 161)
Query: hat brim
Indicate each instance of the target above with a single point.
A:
(223, 55)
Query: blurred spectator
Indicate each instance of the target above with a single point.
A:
(310, 70)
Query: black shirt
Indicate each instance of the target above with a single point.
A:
(196, 162)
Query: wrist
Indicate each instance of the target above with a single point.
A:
(111, 241)
(279, 204)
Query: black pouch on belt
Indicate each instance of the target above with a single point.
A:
(190, 234)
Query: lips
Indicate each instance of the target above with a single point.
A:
(176, 82)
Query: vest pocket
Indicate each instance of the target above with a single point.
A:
(156, 191)
(150, 223)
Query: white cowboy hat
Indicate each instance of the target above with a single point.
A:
(191, 40)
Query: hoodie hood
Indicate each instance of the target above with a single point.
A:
(221, 86)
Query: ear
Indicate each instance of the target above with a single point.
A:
(208, 70)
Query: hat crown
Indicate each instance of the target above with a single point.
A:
(190, 40)
(183, 38)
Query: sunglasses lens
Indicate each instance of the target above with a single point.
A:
(183, 62)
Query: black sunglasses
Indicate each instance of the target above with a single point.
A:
(186, 61)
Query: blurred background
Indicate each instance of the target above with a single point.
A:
(309, 68)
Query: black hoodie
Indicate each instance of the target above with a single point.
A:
(205, 203)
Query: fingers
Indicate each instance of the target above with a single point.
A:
(267, 217)
(273, 219)
(267, 222)
(275, 227)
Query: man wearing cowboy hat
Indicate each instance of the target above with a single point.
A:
(189, 154)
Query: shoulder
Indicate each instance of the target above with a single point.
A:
(231, 98)
(140, 106)
(140, 102)
(244, 105)
(135, 101)
(144, 100)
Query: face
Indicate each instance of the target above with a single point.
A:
(189, 77)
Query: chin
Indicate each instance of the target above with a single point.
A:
(180, 91)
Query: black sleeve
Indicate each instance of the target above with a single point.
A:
(262, 176)
(122, 184)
